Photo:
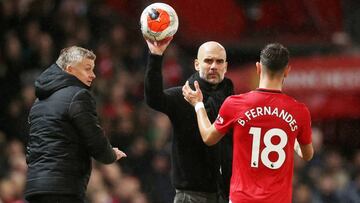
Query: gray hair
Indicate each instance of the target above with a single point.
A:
(72, 55)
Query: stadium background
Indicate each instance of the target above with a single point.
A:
(322, 35)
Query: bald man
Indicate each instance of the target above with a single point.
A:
(263, 139)
(200, 174)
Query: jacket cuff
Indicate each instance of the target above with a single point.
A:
(155, 56)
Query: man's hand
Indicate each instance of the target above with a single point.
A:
(208, 132)
(190, 95)
(158, 47)
(119, 154)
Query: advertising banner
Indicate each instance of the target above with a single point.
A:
(328, 85)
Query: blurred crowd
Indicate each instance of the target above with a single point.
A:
(32, 33)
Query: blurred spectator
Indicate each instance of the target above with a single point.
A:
(14, 63)
(16, 119)
(160, 137)
(100, 196)
(351, 193)
(8, 192)
(161, 189)
(356, 163)
(12, 183)
(318, 142)
(128, 189)
(334, 166)
(139, 159)
(327, 189)
(302, 194)
(140, 198)
(3, 155)
(172, 69)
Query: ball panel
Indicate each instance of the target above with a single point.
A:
(159, 21)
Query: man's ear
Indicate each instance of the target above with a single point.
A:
(287, 70)
(258, 68)
(68, 69)
(196, 64)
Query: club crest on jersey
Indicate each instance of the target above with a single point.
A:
(219, 120)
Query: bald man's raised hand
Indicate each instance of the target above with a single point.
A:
(192, 96)
(158, 47)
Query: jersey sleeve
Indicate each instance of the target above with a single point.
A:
(304, 136)
(224, 120)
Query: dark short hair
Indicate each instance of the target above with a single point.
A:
(274, 57)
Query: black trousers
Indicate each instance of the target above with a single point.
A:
(54, 198)
(185, 196)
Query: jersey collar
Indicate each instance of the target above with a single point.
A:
(268, 90)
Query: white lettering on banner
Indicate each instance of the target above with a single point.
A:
(336, 79)
(269, 111)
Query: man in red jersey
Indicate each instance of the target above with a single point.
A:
(266, 124)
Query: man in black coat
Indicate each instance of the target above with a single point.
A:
(65, 131)
(197, 172)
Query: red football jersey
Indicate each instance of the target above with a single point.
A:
(265, 125)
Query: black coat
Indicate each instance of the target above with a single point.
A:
(64, 135)
(195, 166)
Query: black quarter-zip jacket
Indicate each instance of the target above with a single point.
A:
(195, 166)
